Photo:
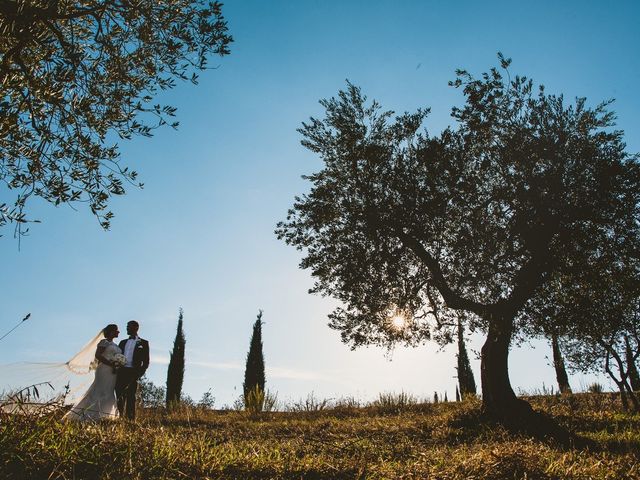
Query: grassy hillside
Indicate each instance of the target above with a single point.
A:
(444, 441)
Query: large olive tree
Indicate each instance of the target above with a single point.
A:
(476, 219)
(76, 76)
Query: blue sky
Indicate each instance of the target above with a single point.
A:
(200, 234)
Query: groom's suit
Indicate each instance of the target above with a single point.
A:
(127, 379)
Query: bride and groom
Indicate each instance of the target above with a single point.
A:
(117, 370)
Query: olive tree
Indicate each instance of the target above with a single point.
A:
(614, 351)
(602, 322)
(475, 219)
(76, 76)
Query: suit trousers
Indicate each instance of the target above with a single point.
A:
(126, 388)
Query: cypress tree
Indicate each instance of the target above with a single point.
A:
(558, 364)
(175, 372)
(634, 378)
(465, 374)
(254, 371)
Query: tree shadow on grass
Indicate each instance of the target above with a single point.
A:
(613, 434)
(306, 474)
(474, 424)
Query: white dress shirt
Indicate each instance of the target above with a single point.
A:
(129, 347)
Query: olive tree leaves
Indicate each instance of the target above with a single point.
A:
(78, 75)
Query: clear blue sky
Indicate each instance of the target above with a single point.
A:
(200, 234)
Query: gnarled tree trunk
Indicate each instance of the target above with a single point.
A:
(498, 398)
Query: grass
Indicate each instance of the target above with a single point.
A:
(441, 441)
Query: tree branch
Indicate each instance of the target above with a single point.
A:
(452, 298)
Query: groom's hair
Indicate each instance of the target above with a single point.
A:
(111, 326)
(134, 324)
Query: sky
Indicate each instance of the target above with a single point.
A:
(199, 235)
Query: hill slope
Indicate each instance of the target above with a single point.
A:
(444, 441)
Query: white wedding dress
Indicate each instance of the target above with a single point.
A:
(99, 401)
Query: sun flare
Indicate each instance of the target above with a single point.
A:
(398, 322)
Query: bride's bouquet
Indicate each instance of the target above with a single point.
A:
(118, 360)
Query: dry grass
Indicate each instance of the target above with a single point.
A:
(443, 441)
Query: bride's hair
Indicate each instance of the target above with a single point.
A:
(108, 328)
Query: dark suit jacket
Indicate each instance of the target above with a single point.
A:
(140, 355)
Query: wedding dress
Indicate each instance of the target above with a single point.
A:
(99, 401)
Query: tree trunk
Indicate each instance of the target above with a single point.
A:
(622, 383)
(623, 396)
(634, 377)
(498, 399)
(558, 364)
(633, 398)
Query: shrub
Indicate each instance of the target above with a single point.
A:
(396, 402)
(254, 400)
(595, 387)
(310, 404)
(207, 401)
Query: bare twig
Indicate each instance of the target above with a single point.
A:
(27, 316)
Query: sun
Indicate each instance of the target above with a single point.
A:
(398, 322)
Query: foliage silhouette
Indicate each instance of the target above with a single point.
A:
(175, 371)
(477, 219)
(77, 75)
(466, 381)
(559, 366)
(254, 378)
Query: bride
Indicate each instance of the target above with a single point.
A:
(99, 401)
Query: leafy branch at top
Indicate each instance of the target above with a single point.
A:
(75, 75)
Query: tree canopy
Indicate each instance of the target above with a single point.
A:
(476, 219)
(76, 76)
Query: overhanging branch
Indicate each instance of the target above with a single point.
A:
(452, 298)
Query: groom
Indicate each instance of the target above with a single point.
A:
(136, 351)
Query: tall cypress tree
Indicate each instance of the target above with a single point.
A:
(558, 364)
(465, 374)
(175, 372)
(254, 371)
